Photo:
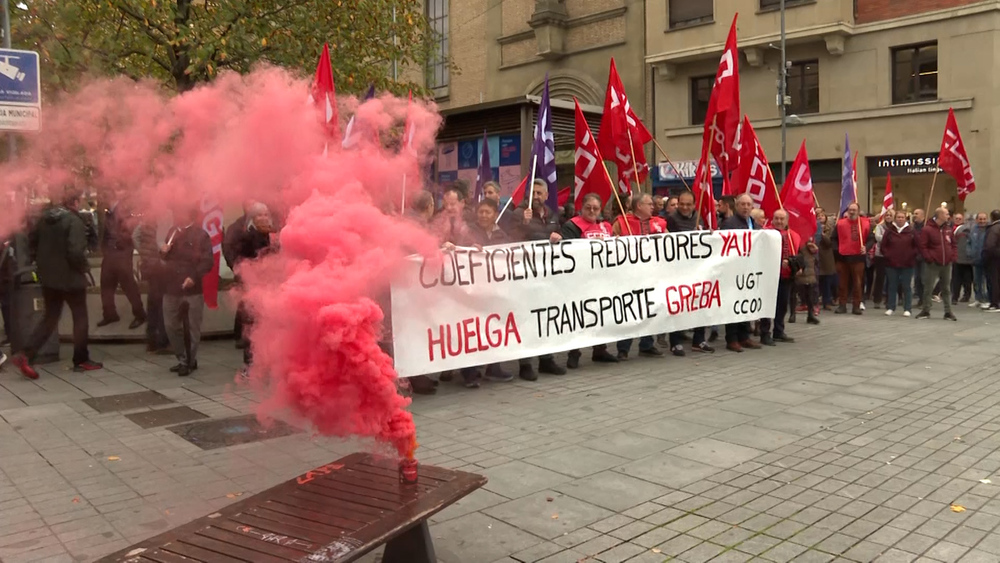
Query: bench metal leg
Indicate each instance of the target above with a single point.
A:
(413, 546)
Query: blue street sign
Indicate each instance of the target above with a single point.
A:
(20, 91)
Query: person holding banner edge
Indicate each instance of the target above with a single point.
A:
(640, 222)
(535, 221)
(772, 331)
(587, 225)
(683, 219)
(738, 334)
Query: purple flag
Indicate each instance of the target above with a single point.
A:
(847, 179)
(545, 148)
(485, 172)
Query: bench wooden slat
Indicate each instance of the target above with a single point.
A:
(306, 515)
(296, 530)
(427, 472)
(321, 503)
(232, 549)
(199, 553)
(287, 549)
(395, 497)
(337, 512)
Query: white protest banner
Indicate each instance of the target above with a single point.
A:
(476, 307)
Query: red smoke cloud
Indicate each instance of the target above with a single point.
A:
(316, 302)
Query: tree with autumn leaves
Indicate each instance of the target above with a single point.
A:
(182, 43)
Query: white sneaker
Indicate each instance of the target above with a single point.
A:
(3, 358)
(984, 306)
(889, 312)
(973, 303)
(906, 313)
(862, 305)
(936, 298)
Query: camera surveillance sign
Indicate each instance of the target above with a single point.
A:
(20, 91)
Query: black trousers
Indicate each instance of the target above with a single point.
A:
(156, 331)
(116, 269)
(5, 310)
(54, 300)
(808, 295)
(780, 310)
(993, 274)
(961, 280)
(737, 332)
(876, 287)
(677, 338)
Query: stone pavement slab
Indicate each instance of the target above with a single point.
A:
(845, 446)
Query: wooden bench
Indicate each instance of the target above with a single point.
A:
(333, 514)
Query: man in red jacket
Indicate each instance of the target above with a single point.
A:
(791, 243)
(849, 238)
(936, 243)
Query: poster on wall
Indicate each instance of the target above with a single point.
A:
(460, 160)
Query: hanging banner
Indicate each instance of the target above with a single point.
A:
(476, 307)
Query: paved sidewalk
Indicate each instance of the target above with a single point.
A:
(869, 439)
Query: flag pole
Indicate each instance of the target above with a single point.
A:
(671, 163)
(930, 198)
(635, 166)
(402, 206)
(708, 172)
(614, 190)
(534, 162)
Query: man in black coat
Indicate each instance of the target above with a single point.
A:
(738, 334)
(59, 243)
(684, 219)
(187, 258)
(535, 221)
(116, 268)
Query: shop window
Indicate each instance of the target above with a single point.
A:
(701, 91)
(803, 87)
(683, 13)
(915, 73)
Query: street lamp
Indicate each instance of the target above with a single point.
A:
(782, 86)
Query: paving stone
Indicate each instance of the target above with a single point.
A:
(547, 519)
(576, 461)
(630, 445)
(756, 437)
(668, 470)
(517, 479)
(715, 453)
(611, 490)
(477, 537)
(673, 430)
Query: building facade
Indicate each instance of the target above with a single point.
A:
(883, 72)
(500, 52)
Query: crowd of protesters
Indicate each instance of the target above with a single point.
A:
(851, 261)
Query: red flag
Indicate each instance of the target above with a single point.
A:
(706, 199)
(722, 122)
(589, 172)
(887, 203)
(324, 93)
(211, 221)
(954, 160)
(797, 195)
(754, 175)
(518, 196)
(563, 195)
(617, 123)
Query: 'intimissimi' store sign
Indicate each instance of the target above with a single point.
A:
(903, 164)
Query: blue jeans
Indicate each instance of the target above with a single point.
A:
(899, 278)
(979, 283)
(828, 287)
(645, 343)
